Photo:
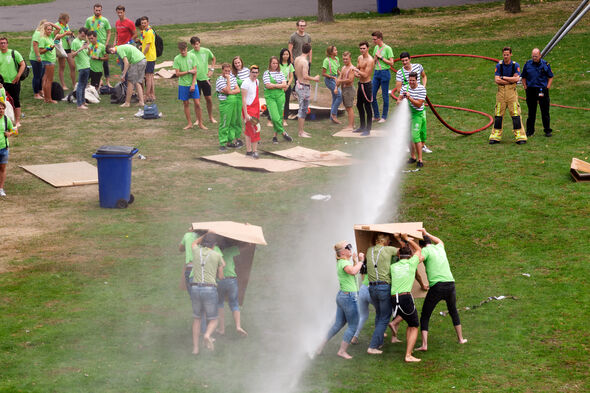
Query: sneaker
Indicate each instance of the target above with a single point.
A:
(529, 133)
(249, 153)
(222, 148)
(382, 120)
(275, 140)
(231, 144)
(2, 193)
(411, 160)
(521, 142)
(493, 142)
(359, 130)
(366, 133)
(255, 155)
(419, 164)
(287, 137)
(425, 149)
(548, 134)
(239, 143)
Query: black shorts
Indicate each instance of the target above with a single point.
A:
(150, 66)
(404, 306)
(68, 50)
(95, 78)
(204, 88)
(14, 91)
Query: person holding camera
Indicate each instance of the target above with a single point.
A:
(415, 93)
(347, 267)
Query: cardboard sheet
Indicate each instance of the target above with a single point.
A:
(326, 158)
(249, 235)
(364, 239)
(65, 174)
(239, 160)
(164, 64)
(294, 106)
(166, 74)
(580, 170)
(350, 134)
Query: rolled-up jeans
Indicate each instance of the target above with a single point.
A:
(38, 71)
(83, 75)
(381, 297)
(346, 312)
(363, 303)
(336, 98)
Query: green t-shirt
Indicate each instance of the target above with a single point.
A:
(229, 254)
(82, 59)
(36, 38)
(183, 64)
(331, 65)
(101, 25)
(286, 69)
(64, 39)
(3, 139)
(384, 51)
(203, 57)
(381, 256)
(403, 274)
(366, 280)
(99, 51)
(347, 281)
(205, 265)
(437, 264)
(187, 242)
(130, 52)
(8, 69)
(46, 42)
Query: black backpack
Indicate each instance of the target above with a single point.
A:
(118, 93)
(57, 92)
(159, 44)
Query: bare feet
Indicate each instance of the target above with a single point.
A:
(188, 127)
(202, 127)
(394, 340)
(335, 120)
(269, 123)
(38, 97)
(65, 88)
(344, 355)
(422, 348)
(411, 359)
(463, 341)
(304, 134)
(141, 104)
(209, 343)
(83, 107)
(285, 124)
(374, 351)
(50, 102)
(195, 351)
(212, 120)
(355, 340)
(348, 129)
(125, 105)
(242, 332)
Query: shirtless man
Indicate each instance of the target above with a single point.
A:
(302, 87)
(364, 94)
(345, 80)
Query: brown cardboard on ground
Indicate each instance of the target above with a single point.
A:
(65, 174)
(364, 239)
(326, 158)
(294, 106)
(164, 64)
(350, 134)
(239, 160)
(249, 235)
(580, 170)
(166, 74)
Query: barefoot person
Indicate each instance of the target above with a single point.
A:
(331, 73)
(98, 55)
(345, 81)
(402, 279)
(47, 50)
(364, 93)
(204, 72)
(185, 66)
(12, 66)
(82, 60)
(302, 87)
(347, 267)
(102, 26)
(442, 287)
(251, 111)
(133, 69)
(68, 35)
(147, 38)
(274, 93)
(7, 129)
(207, 266)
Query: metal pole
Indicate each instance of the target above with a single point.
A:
(564, 33)
(558, 36)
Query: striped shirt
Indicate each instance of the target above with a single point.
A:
(417, 68)
(222, 83)
(243, 74)
(277, 76)
(419, 93)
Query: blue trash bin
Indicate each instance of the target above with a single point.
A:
(386, 6)
(114, 175)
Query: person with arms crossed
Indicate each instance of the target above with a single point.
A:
(302, 87)
(230, 108)
(185, 66)
(274, 93)
(345, 81)
(383, 55)
(537, 79)
(204, 72)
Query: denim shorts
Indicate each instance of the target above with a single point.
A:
(4, 155)
(228, 287)
(204, 299)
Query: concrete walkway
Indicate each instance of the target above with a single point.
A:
(26, 17)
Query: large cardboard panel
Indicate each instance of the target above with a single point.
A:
(166, 74)
(364, 239)
(580, 170)
(241, 161)
(350, 134)
(164, 64)
(65, 174)
(326, 158)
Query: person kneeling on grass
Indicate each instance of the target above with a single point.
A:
(347, 267)
(402, 279)
(133, 70)
(251, 111)
(185, 66)
(7, 130)
(230, 106)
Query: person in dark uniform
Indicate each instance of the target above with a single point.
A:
(537, 78)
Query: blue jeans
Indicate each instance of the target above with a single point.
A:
(83, 75)
(381, 296)
(364, 301)
(347, 311)
(38, 71)
(381, 80)
(228, 287)
(336, 98)
(204, 300)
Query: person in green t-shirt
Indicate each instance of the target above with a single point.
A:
(186, 246)
(204, 72)
(442, 287)
(7, 130)
(102, 26)
(347, 267)
(383, 55)
(50, 33)
(331, 73)
(207, 266)
(68, 35)
(82, 59)
(98, 55)
(185, 65)
(403, 273)
(133, 70)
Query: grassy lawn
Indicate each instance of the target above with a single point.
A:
(4, 3)
(90, 298)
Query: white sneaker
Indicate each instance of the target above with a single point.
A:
(2, 193)
(382, 120)
(425, 149)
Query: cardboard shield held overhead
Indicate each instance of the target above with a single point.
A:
(248, 235)
(364, 235)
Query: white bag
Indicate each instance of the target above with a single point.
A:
(60, 51)
(9, 112)
(91, 95)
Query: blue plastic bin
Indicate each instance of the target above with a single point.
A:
(114, 175)
(386, 6)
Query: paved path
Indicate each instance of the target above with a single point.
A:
(160, 12)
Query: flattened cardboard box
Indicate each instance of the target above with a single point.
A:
(580, 170)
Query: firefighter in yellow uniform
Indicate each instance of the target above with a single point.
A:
(506, 76)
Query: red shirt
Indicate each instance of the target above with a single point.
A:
(125, 31)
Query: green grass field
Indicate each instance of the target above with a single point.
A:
(90, 298)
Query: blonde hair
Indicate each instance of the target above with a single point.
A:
(41, 24)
